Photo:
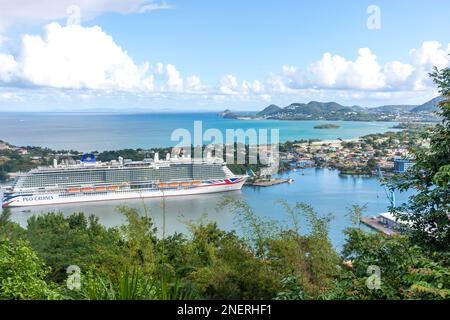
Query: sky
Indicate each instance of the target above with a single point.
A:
(202, 55)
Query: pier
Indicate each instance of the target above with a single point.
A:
(271, 182)
(377, 223)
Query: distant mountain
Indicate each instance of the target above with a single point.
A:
(430, 106)
(312, 110)
(393, 108)
(269, 110)
(227, 114)
(427, 107)
(315, 107)
(315, 110)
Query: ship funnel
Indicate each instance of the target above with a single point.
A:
(168, 156)
(156, 157)
(121, 161)
(208, 155)
(55, 163)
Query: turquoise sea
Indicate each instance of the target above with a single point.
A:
(325, 190)
(103, 131)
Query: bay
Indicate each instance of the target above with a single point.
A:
(325, 190)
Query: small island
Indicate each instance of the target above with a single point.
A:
(327, 126)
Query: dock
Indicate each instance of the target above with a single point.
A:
(269, 183)
(376, 224)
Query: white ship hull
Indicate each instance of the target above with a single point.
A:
(37, 199)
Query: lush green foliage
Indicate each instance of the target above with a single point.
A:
(131, 262)
(428, 209)
(22, 273)
(406, 271)
(267, 260)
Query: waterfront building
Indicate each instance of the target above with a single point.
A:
(402, 165)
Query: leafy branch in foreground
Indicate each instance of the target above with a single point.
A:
(23, 274)
(428, 209)
(133, 285)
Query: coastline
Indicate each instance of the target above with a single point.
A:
(349, 155)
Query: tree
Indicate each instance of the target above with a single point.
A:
(224, 266)
(9, 230)
(22, 273)
(75, 240)
(355, 213)
(405, 270)
(372, 164)
(428, 209)
(140, 238)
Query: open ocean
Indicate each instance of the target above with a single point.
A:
(324, 189)
(107, 131)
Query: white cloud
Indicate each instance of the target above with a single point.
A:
(175, 81)
(159, 68)
(266, 97)
(75, 57)
(19, 11)
(228, 84)
(86, 58)
(337, 72)
(430, 54)
(76, 63)
(193, 83)
(252, 87)
(276, 84)
(10, 96)
(7, 67)
(365, 72)
(397, 73)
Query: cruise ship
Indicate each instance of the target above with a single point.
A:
(91, 180)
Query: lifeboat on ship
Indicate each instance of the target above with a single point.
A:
(163, 185)
(87, 189)
(174, 184)
(185, 184)
(112, 188)
(100, 188)
(196, 183)
(73, 190)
